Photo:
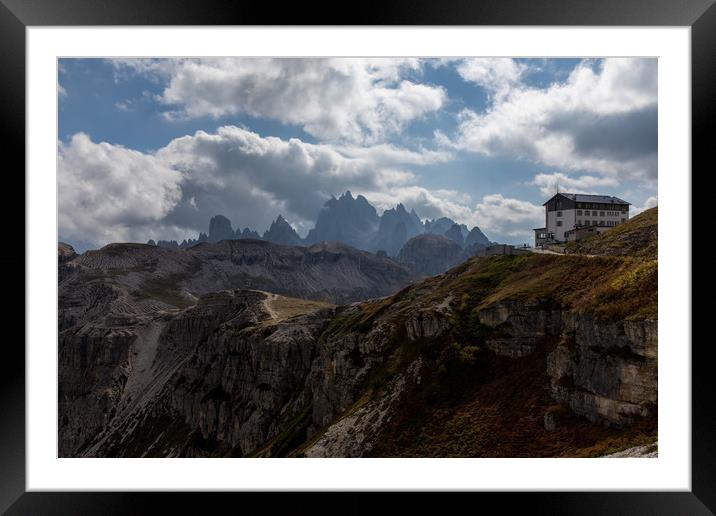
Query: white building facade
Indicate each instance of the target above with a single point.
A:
(565, 212)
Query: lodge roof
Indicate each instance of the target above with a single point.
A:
(602, 199)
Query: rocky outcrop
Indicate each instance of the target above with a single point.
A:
(65, 252)
(353, 434)
(605, 371)
(645, 452)
(427, 324)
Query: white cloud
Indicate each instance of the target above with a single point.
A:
(251, 179)
(358, 100)
(107, 193)
(110, 193)
(600, 120)
(550, 184)
(510, 219)
(427, 204)
(649, 203)
(498, 75)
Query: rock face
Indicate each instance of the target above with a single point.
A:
(65, 252)
(603, 371)
(606, 372)
(282, 233)
(430, 254)
(645, 452)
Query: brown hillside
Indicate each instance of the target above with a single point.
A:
(636, 237)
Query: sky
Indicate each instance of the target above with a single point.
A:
(153, 148)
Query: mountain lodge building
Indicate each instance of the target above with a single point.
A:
(575, 216)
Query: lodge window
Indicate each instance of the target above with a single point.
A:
(601, 213)
(559, 222)
(559, 213)
(594, 213)
(579, 212)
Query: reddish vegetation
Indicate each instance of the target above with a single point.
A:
(499, 413)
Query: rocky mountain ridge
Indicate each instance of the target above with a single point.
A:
(352, 221)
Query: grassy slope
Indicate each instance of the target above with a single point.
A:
(286, 307)
(636, 237)
(609, 288)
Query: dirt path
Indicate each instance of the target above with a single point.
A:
(548, 251)
(270, 297)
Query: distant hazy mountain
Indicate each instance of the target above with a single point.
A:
(247, 233)
(455, 234)
(429, 254)
(220, 229)
(476, 237)
(282, 233)
(350, 220)
(442, 225)
(396, 227)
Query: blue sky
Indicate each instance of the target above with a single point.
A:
(153, 148)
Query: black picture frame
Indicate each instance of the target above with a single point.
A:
(16, 15)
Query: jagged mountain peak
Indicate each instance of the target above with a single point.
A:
(476, 237)
(281, 232)
(351, 220)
